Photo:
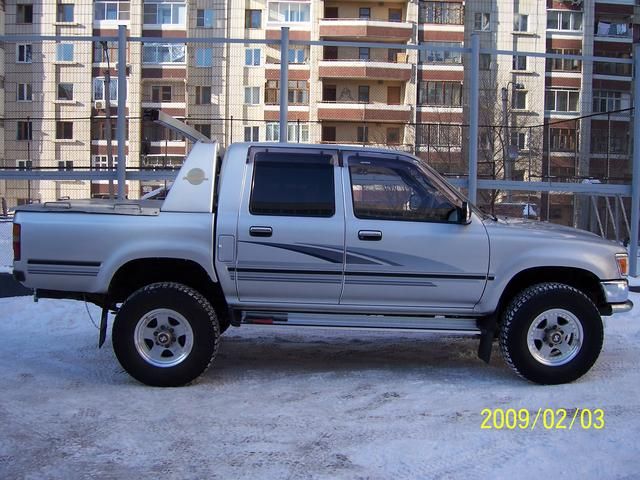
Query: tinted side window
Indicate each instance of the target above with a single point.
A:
(393, 190)
(293, 184)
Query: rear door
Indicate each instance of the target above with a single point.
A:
(290, 240)
(404, 245)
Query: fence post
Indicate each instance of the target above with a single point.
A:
(121, 126)
(284, 82)
(474, 98)
(635, 179)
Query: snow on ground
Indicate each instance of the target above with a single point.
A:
(299, 403)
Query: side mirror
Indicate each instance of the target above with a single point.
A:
(464, 214)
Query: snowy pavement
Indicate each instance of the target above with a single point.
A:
(292, 403)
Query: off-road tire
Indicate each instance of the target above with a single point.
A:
(536, 301)
(192, 309)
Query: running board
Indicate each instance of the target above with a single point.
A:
(438, 324)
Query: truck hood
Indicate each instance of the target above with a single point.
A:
(535, 228)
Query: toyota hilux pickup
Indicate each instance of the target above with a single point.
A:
(320, 236)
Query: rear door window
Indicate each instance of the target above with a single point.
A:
(294, 184)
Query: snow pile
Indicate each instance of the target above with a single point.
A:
(300, 403)
(6, 250)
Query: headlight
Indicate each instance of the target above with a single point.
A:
(622, 259)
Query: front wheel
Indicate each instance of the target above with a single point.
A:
(166, 335)
(551, 333)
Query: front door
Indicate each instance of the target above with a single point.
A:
(290, 246)
(404, 245)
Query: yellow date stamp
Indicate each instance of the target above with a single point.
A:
(543, 418)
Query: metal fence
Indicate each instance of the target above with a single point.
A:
(496, 122)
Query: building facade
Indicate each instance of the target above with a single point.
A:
(536, 114)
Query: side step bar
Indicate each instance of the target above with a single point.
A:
(438, 324)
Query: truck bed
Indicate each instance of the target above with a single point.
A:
(100, 206)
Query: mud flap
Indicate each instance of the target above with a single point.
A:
(487, 326)
(103, 326)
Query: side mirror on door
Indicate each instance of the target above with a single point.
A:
(464, 214)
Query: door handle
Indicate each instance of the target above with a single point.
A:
(260, 231)
(370, 235)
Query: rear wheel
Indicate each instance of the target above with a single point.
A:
(551, 333)
(166, 335)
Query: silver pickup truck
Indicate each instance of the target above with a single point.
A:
(320, 236)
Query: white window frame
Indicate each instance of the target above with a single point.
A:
(482, 22)
(289, 12)
(61, 9)
(24, 92)
(252, 95)
(200, 95)
(252, 57)
(148, 47)
(520, 22)
(58, 92)
(204, 57)
(295, 54)
(573, 14)
(251, 133)
(614, 99)
(62, 51)
(442, 56)
(521, 140)
(121, 15)
(516, 93)
(177, 11)
(205, 18)
(27, 53)
(101, 162)
(557, 92)
(518, 62)
(113, 87)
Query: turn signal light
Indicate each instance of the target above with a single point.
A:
(623, 263)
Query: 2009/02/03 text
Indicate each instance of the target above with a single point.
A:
(546, 418)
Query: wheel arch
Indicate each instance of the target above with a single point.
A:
(582, 280)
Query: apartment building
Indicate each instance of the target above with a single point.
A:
(57, 99)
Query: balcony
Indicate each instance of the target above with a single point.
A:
(363, 112)
(362, 69)
(613, 30)
(371, 30)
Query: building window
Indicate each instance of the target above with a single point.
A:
(158, 53)
(25, 93)
(298, 55)
(609, 101)
(205, 18)
(252, 57)
(24, 13)
(204, 57)
(564, 20)
(24, 165)
(619, 28)
(485, 61)
(445, 94)
(25, 131)
(160, 93)
(565, 64)
(99, 87)
(252, 95)
(440, 135)
(253, 18)
(296, 132)
(443, 54)
(298, 92)
(64, 130)
(65, 12)
(111, 10)
(364, 13)
(288, 12)
(609, 141)
(519, 62)
(563, 140)
(519, 100)
(65, 165)
(100, 55)
(520, 22)
(64, 52)
(363, 93)
(364, 53)
(164, 13)
(203, 95)
(203, 128)
(393, 136)
(395, 14)
(252, 134)
(65, 91)
(101, 162)
(561, 100)
(362, 134)
(24, 53)
(482, 22)
(449, 13)
(519, 140)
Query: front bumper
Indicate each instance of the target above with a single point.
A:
(616, 294)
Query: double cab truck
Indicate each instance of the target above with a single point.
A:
(320, 236)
